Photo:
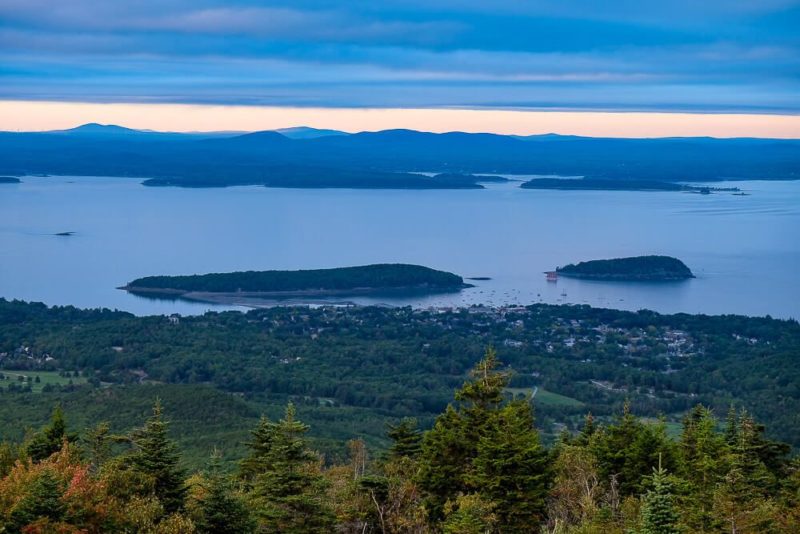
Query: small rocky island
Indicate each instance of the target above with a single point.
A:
(635, 269)
(253, 285)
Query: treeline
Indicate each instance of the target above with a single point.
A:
(377, 276)
(480, 469)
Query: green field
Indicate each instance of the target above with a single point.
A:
(674, 429)
(45, 377)
(546, 397)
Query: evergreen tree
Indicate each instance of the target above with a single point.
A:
(288, 492)
(731, 427)
(658, 507)
(511, 468)
(156, 456)
(704, 456)
(485, 448)
(628, 449)
(222, 511)
(588, 430)
(51, 438)
(260, 446)
(43, 501)
(406, 439)
(98, 444)
(450, 447)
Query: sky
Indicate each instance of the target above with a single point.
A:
(617, 61)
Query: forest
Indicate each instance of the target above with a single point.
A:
(350, 370)
(481, 468)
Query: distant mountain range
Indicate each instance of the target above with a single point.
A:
(309, 157)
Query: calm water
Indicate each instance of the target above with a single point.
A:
(745, 250)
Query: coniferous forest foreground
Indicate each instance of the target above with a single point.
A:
(338, 419)
(481, 468)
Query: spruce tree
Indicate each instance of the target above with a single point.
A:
(288, 492)
(406, 439)
(43, 501)
(483, 447)
(51, 438)
(658, 507)
(156, 456)
(511, 468)
(704, 457)
(731, 427)
(260, 446)
(450, 447)
(588, 430)
(222, 511)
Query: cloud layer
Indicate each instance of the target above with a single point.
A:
(681, 55)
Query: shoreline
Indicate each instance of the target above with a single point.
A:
(238, 298)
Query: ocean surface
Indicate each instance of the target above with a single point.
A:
(745, 250)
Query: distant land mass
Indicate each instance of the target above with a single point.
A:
(342, 281)
(9, 180)
(306, 157)
(592, 184)
(308, 178)
(305, 132)
(639, 268)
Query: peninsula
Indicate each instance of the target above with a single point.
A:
(639, 268)
(343, 281)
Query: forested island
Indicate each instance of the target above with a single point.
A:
(342, 281)
(598, 184)
(9, 180)
(639, 268)
(299, 177)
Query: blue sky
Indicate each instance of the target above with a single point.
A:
(671, 55)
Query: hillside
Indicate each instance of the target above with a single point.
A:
(359, 366)
(368, 159)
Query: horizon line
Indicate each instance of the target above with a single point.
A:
(41, 116)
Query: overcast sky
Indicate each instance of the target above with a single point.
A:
(709, 56)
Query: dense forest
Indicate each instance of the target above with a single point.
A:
(377, 276)
(349, 370)
(481, 468)
(631, 269)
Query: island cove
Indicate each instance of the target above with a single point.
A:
(256, 287)
(639, 268)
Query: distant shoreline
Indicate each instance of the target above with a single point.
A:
(239, 297)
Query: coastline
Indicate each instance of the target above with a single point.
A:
(239, 298)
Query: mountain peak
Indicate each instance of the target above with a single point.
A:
(307, 132)
(93, 128)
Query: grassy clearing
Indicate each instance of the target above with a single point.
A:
(674, 429)
(45, 377)
(546, 397)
